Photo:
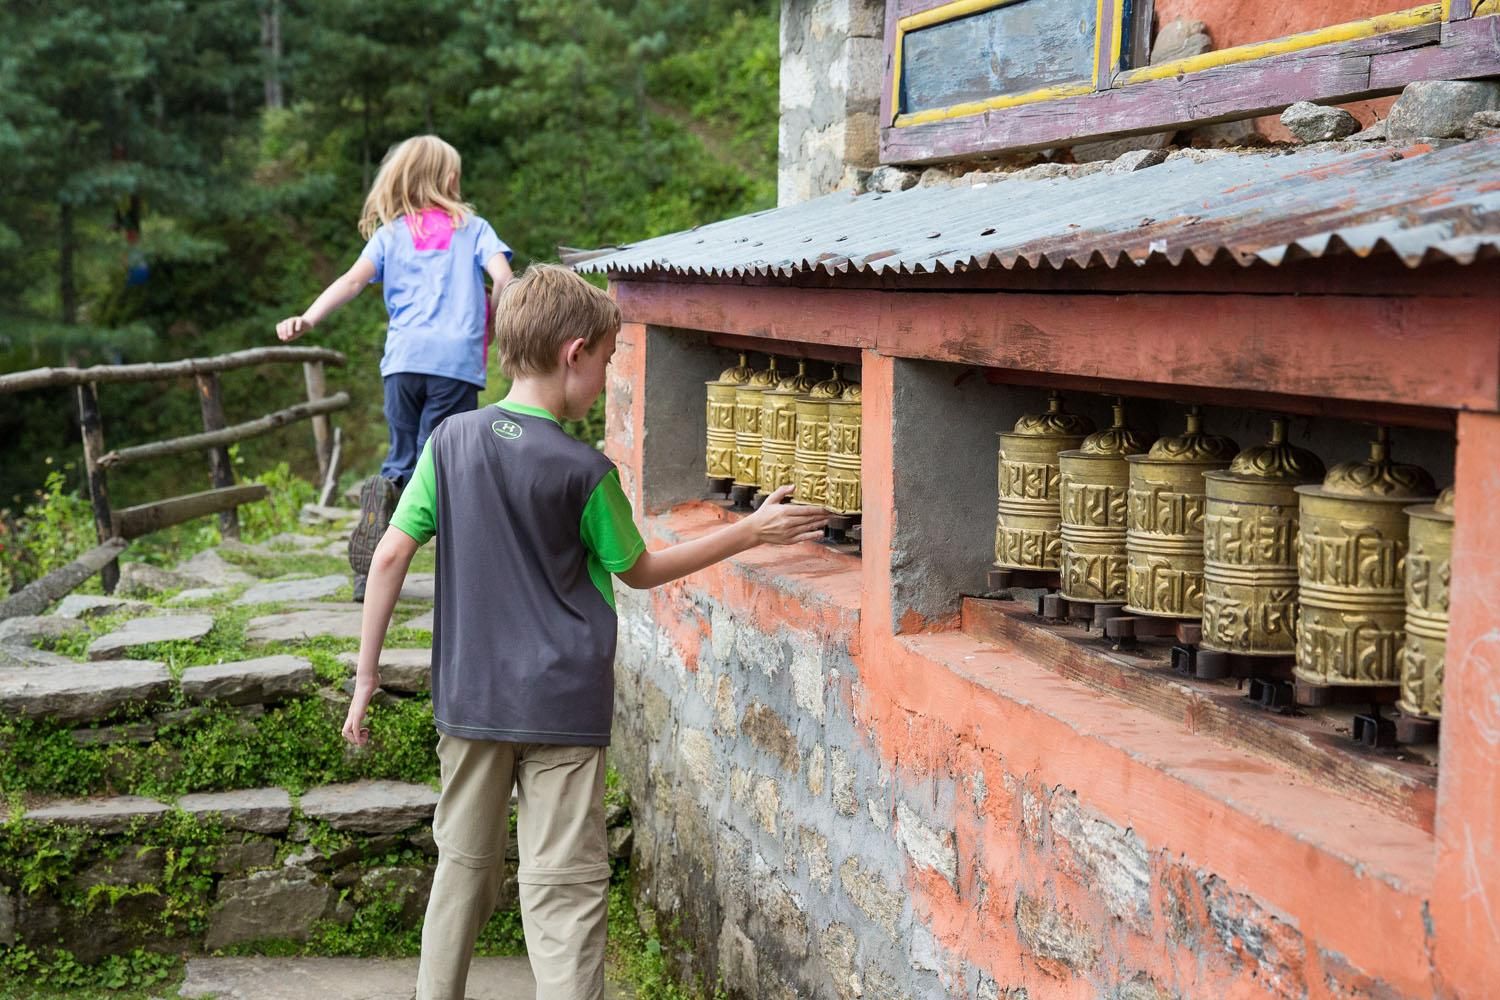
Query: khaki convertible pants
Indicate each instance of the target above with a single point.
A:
(564, 872)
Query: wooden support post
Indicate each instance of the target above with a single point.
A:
(220, 470)
(92, 426)
(322, 438)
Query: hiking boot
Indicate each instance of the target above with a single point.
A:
(377, 502)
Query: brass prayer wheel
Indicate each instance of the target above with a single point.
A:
(1250, 548)
(778, 428)
(1028, 523)
(719, 459)
(1351, 572)
(747, 401)
(810, 460)
(1095, 480)
(1428, 575)
(1164, 540)
(843, 495)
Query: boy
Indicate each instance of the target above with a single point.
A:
(530, 525)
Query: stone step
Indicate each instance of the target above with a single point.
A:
(352, 979)
(422, 622)
(294, 625)
(370, 806)
(94, 605)
(407, 671)
(242, 682)
(307, 589)
(151, 629)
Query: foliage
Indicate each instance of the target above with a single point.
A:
(278, 511)
(54, 529)
(641, 957)
(25, 973)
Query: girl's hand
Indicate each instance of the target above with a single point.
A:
(781, 523)
(290, 329)
(354, 730)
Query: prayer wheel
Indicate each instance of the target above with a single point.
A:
(1028, 524)
(1250, 548)
(719, 461)
(810, 460)
(843, 495)
(747, 405)
(1095, 480)
(1428, 574)
(1164, 540)
(1351, 572)
(778, 429)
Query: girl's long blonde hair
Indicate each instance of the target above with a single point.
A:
(421, 172)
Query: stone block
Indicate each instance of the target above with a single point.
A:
(81, 692)
(194, 594)
(141, 732)
(621, 839)
(144, 631)
(1180, 39)
(842, 775)
(1315, 123)
(1440, 109)
(304, 625)
(28, 630)
(887, 179)
(101, 815)
(926, 845)
(814, 850)
(370, 806)
(1253, 936)
(1112, 859)
(423, 622)
(7, 917)
(95, 605)
(1112, 149)
(259, 681)
(408, 670)
(407, 886)
(700, 760)
(306, 589)
(136, 864)
(839, 951)
(252, 852)
(214, 570)
(808, 682)
(257, 810)
(419, 587)
(778, 917)
(770, 734)
(766, 803)
(275, 904)
(880, 901)
(737, 959)
(816, 765)
(1054, 934)
(1481, 123)
(145, 579)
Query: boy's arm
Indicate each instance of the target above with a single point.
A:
(387, 572)
(775, 523)
(342, 291)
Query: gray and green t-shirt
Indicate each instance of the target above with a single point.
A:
(530, 525)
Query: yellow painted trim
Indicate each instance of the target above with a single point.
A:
(1098, 48)
(1117, 39)
(995, 104)
(896, 71)
(948, 12)
(1487, 7)
(1367, 28)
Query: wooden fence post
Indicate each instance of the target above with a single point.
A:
(93, 446)
(322, 439)
(220, 469)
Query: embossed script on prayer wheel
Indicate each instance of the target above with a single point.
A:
(843, 495)
(747, 401)
(1351, 574)
(1094, 483)
(1250, 548)
(1428, 560)
(719, 459)
(1164, 542)
(778, 428)
(1028, 524)
(810, 460)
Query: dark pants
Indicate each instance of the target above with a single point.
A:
(414, 405)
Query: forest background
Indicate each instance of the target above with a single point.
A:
(238, 137)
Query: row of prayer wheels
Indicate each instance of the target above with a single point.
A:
(769, 428)
(1344, 573)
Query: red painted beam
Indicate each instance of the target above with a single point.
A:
(1411, 352)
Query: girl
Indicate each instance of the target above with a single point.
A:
(431, 252)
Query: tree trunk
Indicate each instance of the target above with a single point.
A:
(67, 291)
(270, 40)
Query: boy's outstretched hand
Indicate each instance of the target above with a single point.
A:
(780, 523)
(354, 723)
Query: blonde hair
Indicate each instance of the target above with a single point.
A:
(421, 172)
(545, 308)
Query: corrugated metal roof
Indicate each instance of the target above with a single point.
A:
(1418, 203)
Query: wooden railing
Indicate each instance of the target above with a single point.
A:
(117, 526)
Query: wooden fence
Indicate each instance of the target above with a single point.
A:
(117, 526)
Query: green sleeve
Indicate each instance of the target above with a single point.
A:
(416, 514)
(608, 526)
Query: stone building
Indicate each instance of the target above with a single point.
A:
(880, 774)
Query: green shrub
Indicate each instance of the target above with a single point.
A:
(53, 530)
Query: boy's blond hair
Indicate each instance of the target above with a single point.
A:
(421, 172)
(545, 308)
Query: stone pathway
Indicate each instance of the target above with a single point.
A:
(340, 624)
(153, 628)
(293, 590)
(349, 979)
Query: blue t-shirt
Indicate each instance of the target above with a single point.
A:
(434, 292)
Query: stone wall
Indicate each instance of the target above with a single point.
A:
(831, 76)
(838, 795)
